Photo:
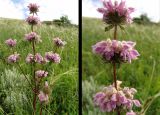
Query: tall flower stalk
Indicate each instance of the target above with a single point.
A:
(32, 20)
(38, 82)
(114, 97)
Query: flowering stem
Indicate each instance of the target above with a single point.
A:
(41, 109)
(115, 32)
(114, 75)
(114, 66)
(35, 89)
(114, 63)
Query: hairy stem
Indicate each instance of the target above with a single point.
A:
(41, 110)
(114, 66)
(115, 32)
(114, 75)
(34, 77)
(114, 63)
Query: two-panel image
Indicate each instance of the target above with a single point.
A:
(79, 57)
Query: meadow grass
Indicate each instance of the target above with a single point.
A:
(142, 74)
(63, 77)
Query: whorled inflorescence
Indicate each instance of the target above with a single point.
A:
(41, 73)
(32, 36)
(33, 8)
(33, 20)
(116, 13)
(52, 57)
(116, 51)
(11, 42)
(110, 98)
(13, 58)
(114, 97)
(58, 42)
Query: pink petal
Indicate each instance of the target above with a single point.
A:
(137, 103)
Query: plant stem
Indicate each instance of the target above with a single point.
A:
(115, 32)
(114, 63)
(41, 109)
(34, 77)
(114, 66)
(114, 75)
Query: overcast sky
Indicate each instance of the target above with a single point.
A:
(53, 9)
(150, 7)
(49, 9)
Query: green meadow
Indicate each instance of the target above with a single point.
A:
(142, 74)
(15, 94)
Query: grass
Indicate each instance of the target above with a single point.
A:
(143, 74)
(63, 77)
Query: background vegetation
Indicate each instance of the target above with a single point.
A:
(143, 74)
(15, 95)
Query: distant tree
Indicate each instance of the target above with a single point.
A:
(63, 21)
(143, 19)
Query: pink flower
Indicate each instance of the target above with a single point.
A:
(114, 98)
(43, 97)
(116, 13)
(58, 42)
(109, 100)
(53, 57)
(41, 73)
(10, 42)
(106, 107)
(30, 58)
(121, 98)
(128, 52)
(131, 113)
(13, 58)
(33, 8)
(39, 58)
(133, 91)
(32, 36)
(98, 98)
(136, 103)
(117, 51)
(129, 104)
(32, 20)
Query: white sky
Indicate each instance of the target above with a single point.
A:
(150, 7)
(49, 9)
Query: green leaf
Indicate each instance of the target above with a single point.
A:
(108, 27)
